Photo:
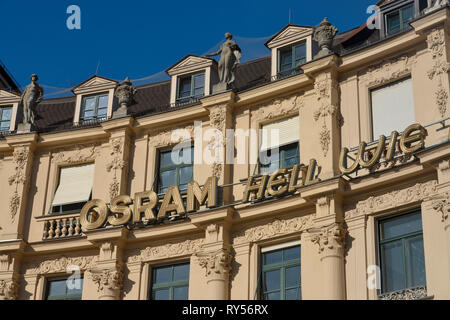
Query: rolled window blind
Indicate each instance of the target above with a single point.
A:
(75, 185)
(285, 131)
(392, 108)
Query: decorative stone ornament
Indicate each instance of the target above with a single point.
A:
(31, 97)
(8, 290)
(436, 4)
(108, 282)
(125, 93)
(324, 35)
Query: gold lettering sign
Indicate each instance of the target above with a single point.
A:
(172, 202)
(197, 197)
(414, 133)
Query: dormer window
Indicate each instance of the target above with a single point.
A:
(397, 20)
(289, 58)
(95, 98)
(95, 108)
(5, 118)
(191, 87)
(192, 78)
(291, 47)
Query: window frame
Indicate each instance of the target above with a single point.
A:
(171, 167)
(382, 290)
(192, 97)
(2, 108)
(168, 285)
(399, 9)
(294, 65)
(96, 108)
(282, 266)
(48, 280)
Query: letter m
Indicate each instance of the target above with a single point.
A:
(197, 196)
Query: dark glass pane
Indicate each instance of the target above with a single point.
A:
(103, 101)
(286, 59)
(292, 253)
(292, 294)
(290, 162)
(273, 257)
(292, 277)
(393, 23)
(272, 296)
(400, 226)
(163, 275)
(168, 178)
(407, 15)
(186, 175)
(392, 267)
(75, 288)
(291, 150)
(181, 293)
(185, 87)
(161, 294)
(101, 112)
(166, 159)
(89, 114)
(272, 280)
(5, 124)
(423, 4)
(300, 54)
(6, 114)
(57, 288)
(415, 262)
(199, 92)
(199, 81)
(181, 272)
(89, 103)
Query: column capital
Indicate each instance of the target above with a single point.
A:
(217, 264)
(108, 282)
(330, 239)
(8, 289)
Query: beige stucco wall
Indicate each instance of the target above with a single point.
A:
(335, 220)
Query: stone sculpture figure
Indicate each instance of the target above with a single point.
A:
(31, 97)
(230, 57)
(125, 93)
(435, 4)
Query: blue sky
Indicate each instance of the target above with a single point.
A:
(140, 38)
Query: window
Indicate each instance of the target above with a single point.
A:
(392, 108)
(5, 118)
(280, 274)
(171, 282)
(63, 289)
(74, 189)
(290, 58)
(191, 87)
(397, 20)
(94, 108)
(401, 252)
(175, 174)
(279, 145)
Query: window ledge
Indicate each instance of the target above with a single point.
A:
(417, 293)
(55, 216)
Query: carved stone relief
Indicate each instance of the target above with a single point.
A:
(330, 238)
(59, 265)
(116, 163)
(77, 154)
(216, 264)
(8, 289)
(276, 108)
(20, 158)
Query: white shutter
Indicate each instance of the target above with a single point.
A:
(392, 108)
(75, 185)
(285, 131)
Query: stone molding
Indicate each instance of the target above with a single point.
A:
(20, 160)
(163, 139)
(277, 227)
(8, 289)
(60, 265)
(276, 108)
(182, 248)
(442, 205)
(329, 238)
(436, 45)
(393, 199)
(116, 163)
(81, 153)
(216, 264)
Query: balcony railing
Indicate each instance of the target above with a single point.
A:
(416, 293)
(62, 227)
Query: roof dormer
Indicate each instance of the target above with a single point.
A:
(9, 105)
(291, 47)
(95, 98)
(192, 78)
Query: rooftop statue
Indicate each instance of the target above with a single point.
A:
(31, 97)
(125, 93)
(230, 57)
(324, 35)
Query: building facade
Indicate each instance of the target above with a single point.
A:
(337, 185)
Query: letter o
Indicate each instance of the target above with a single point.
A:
(101, 213)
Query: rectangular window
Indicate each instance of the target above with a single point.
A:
(397, 20)
(290, 58)
(62, 289)
(280, 274)
(191, 87)
(170, 282)
(5, 118)
(279, 145)
(74, 189)
(401, 252)
(392, 108)
(176, 171)
(94, 108)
